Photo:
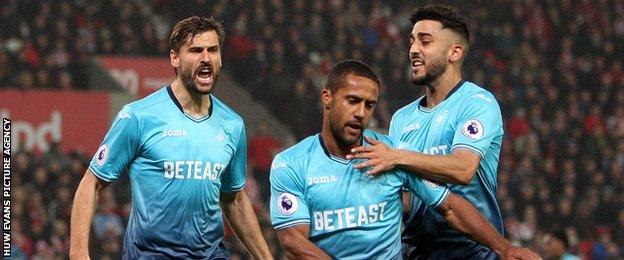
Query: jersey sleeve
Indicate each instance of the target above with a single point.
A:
(479, 122)
(118, 148)
(430, 192)
(234, 177)
(288, 205)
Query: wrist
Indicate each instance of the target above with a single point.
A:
(502, 248)
(399, 157)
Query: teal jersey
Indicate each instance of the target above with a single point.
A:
(351, 215)
(177, 166)
(469, 118)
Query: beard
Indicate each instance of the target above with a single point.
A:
(343, 140)
(438, 66)
(188, 79)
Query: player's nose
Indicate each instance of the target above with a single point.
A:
(360, 111)
(205, 56)
(414, 50)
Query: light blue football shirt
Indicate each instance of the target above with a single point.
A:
(351, 215)
(177, 166)
(469, 118)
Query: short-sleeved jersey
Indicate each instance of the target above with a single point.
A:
(351, 215)
(177, 166)
(469, 118)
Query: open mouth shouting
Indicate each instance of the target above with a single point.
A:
(205, 74)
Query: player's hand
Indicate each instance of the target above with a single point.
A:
(520, 253)
(380, 156)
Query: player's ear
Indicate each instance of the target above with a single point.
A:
(175, 60)
(456, 53)
(326, 96)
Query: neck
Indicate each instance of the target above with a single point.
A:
(193, 103)
(438, 90)
(332, 145)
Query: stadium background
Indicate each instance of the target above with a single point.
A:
(67, 66)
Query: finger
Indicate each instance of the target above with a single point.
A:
(362, 165)
(380, 166)
(521, 255)
(361, 149)
(526, 254)
(372, 163)
(531, 255)
(374, 171)
(364, 155)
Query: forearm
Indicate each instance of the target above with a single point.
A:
(296, 245)
(304, 249)
(241, 217)
(82, 216)
(449, 168)
(465, 218)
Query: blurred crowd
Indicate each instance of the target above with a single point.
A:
(554, 66)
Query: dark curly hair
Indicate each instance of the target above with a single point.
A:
(444, 14)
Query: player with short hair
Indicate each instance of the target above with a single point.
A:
(451, 135)
(185, 155)
(321, 207)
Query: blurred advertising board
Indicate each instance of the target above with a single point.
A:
(138, 75)
(78, 119)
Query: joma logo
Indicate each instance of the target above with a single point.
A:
(321, 179)
(174, 132)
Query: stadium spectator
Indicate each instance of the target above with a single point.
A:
(556, 247)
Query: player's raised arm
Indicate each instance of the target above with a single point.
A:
(239, 213)
(464, 217)
(82, 214)
(295, 243)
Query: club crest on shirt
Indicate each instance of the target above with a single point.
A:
(101, 155)
(473, 129)
(441, 118)
(124, 113)
(221, 136)
(287, 204)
